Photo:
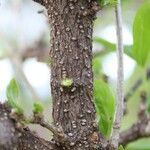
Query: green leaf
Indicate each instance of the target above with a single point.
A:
(107, 2)
(67, 82)
(111, 47)
(141, 34)
(12, 93)
(105, 43)
(121, 148)
(105, 106)
(38, 108)
(97, 66)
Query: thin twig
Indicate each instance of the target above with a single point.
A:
(134, 88)
(57, 131)
(136, 85)
(141, 128)
(120, 103)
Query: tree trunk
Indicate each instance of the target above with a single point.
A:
(71, 58)
(71, 24)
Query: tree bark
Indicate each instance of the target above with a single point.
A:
(71, 58)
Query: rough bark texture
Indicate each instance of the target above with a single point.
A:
(13, 138)
(71, 55)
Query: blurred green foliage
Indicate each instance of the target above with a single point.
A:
(105, 106)
(121, 148)
(97, 66)
(111, 47)
(141, 34)
(13, 96)
(139, 51)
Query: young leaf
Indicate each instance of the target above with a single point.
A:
(38, 108)
(111, 47)
(121, 148)
(97, 66)
(12, 93)
(105, 106)
(141, 34)
(66, 82)
(105, 43)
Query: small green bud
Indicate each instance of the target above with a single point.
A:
(38, 108)
(17, 110)
(67, 82)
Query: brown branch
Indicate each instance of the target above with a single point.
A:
(56, 131)
(40, 50)
(138, 130)
(13, 137)
(141, 128)
(41, 53)
(134, 88)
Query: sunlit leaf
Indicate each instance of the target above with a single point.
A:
(97, 66)
(105, 106)
(13, 95)
(111, 47)
(121, 148)
(12, 92)
(141, 34)
(37, 108)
